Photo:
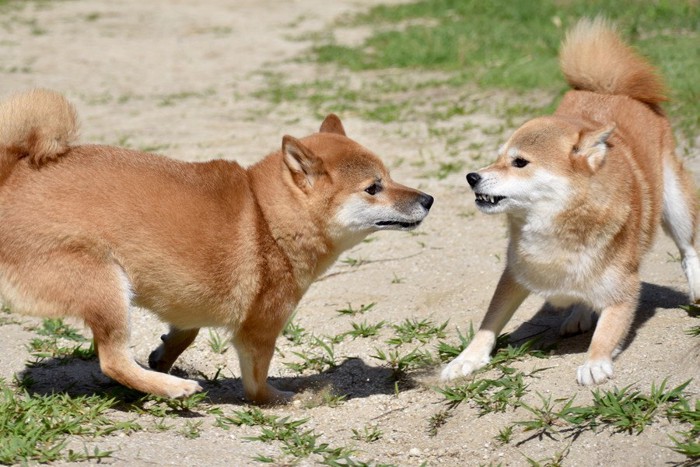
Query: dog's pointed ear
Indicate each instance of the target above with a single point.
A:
(303, 164)
(332, 124)
(593, 146)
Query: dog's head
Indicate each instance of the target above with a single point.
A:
(348, 188)
(540, 165)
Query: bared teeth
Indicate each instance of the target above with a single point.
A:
(488, 198)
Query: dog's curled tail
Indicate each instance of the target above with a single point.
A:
(39, 124)
(594, 58)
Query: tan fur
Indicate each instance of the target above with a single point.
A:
(584, 191)
(88, 230)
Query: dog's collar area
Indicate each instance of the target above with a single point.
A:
(488, 200)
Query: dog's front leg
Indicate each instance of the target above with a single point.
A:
(254, 354)
(612, 327)
(507, 298)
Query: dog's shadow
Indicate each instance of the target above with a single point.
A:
(351, 379)
(545, 325)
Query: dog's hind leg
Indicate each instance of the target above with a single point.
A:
(680, 220)
(174, 343)
(104, 305)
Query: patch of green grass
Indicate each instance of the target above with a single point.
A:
(58, 329)
(295, 442)
(488, 394)
(413, 330)
(52, 346)
(622, 410)
(514, 45)
(36, 428)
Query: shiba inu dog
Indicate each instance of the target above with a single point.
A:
(584, 191)
(88, 230)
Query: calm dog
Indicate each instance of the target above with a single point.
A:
(88, 230)
(584, 191)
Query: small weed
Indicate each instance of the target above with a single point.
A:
(162, 407)
(353, 262)
(693, 331)
(396, 279)
(365, 330)
(489, 395)
(437, 421)
(321, 360)
(192, 429)
(689, 445)
(368, 434)
(693, 310)
(356, 311)
(160, 425)
(400, 363)
(557, 460)
(505, 435)
(216, 343)
(447, 352)
(546, 418)
(294, 333)
(422, 331)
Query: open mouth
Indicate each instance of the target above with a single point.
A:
(488, 200)
(403, 225)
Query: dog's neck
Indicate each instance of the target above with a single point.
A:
(298, 236)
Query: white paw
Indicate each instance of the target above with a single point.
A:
(594, 372)
(579, 321)
(462, 366)
(181, 388)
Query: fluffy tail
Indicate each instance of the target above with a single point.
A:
(39, 125)
(594, 58)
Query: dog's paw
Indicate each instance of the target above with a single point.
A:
(271, 396)
(580, 320)
(156, 362)
(462, 366)
(594, 372)
(181, 388)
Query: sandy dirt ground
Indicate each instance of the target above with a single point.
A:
(180, 78)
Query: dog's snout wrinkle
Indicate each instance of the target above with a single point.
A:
(473, 178)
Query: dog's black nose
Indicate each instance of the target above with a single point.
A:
(473, 178)
(426, 201)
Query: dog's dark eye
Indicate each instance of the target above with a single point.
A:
(373, 189)
(519, 162)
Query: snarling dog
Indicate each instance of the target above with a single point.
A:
(88, 230)
(584, 191)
